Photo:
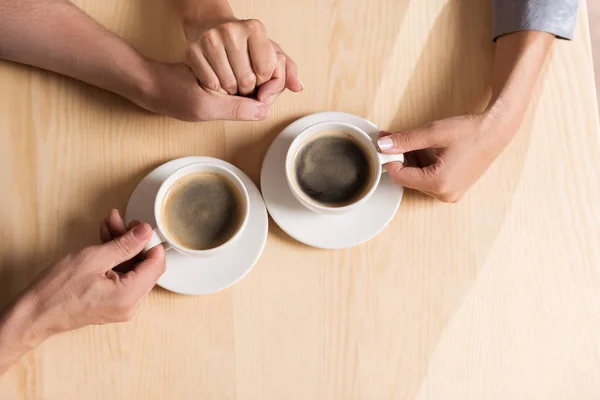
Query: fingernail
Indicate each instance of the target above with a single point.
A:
(301, 84)
(262, 111)
(385, 143)
(141, 231)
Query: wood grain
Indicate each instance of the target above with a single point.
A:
(496, 297)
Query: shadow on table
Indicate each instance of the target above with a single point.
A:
(76, 230)
(460, 39)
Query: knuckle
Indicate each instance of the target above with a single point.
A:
(229, 29)
(230, 85)
(123, 246)
(192, 52)
(266, 69)
(400, 140)
(238, 111)
(255, 25)
(450, 198)
(212, 84)
(209, 40)
(393, 170)
(247, 80)
(85, 255)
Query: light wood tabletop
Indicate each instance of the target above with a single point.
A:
(495, 297)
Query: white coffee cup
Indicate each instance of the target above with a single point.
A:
(161, 235)
(376, 161)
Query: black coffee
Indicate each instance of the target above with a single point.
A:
(202, 210)
(333, 169)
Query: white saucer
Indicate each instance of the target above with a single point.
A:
(324, 231)
(188, 275)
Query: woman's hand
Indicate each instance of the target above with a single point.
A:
(445, 158)
(236, 57)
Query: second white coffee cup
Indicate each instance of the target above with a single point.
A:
(161, 234)
(367, 144)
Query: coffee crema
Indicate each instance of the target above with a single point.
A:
(202, 210)
(333, 168)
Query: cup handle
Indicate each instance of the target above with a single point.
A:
(388, 158)
(156, 239)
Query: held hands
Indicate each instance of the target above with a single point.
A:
(230, 71)
(445, 158)
(98, 285)
(236, 57)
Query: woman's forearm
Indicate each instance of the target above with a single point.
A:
(57, 36)
(518, 60)
(192, 12)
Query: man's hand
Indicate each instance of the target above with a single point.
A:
(97, 285)
(32, 30)
(445, 158)
(175, 92)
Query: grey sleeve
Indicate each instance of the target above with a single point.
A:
(554, 16)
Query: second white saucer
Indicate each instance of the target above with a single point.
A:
(189, 275)
(317, 230)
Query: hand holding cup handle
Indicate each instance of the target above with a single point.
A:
(156, 239)
(161, 235)
(367, 142)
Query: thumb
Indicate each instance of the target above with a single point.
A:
(236, 108)
(127, 246)
(292, 82)
(405, 141)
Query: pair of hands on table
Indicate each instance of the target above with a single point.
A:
(231, 70)
(100, 284)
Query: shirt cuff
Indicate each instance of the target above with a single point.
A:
(558, 17)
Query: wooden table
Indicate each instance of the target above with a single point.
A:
(497, 296)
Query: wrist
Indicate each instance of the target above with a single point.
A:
(205, 18)
(20, 330)
(143, 86)
(501, 124)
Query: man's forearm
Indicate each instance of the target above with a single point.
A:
(518, 61)
(57, 36)
(18, 332)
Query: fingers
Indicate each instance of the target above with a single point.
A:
(112, 226)
(292, 82)
(115, 223)
(233, 108)
(261, 51)
(269, 92)
(105, 235)
(417, 139)
(145, 274)
(214, 51)
(241, 66)
(284, 76)
(194, 58)
(126, 246)
(422, 179)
